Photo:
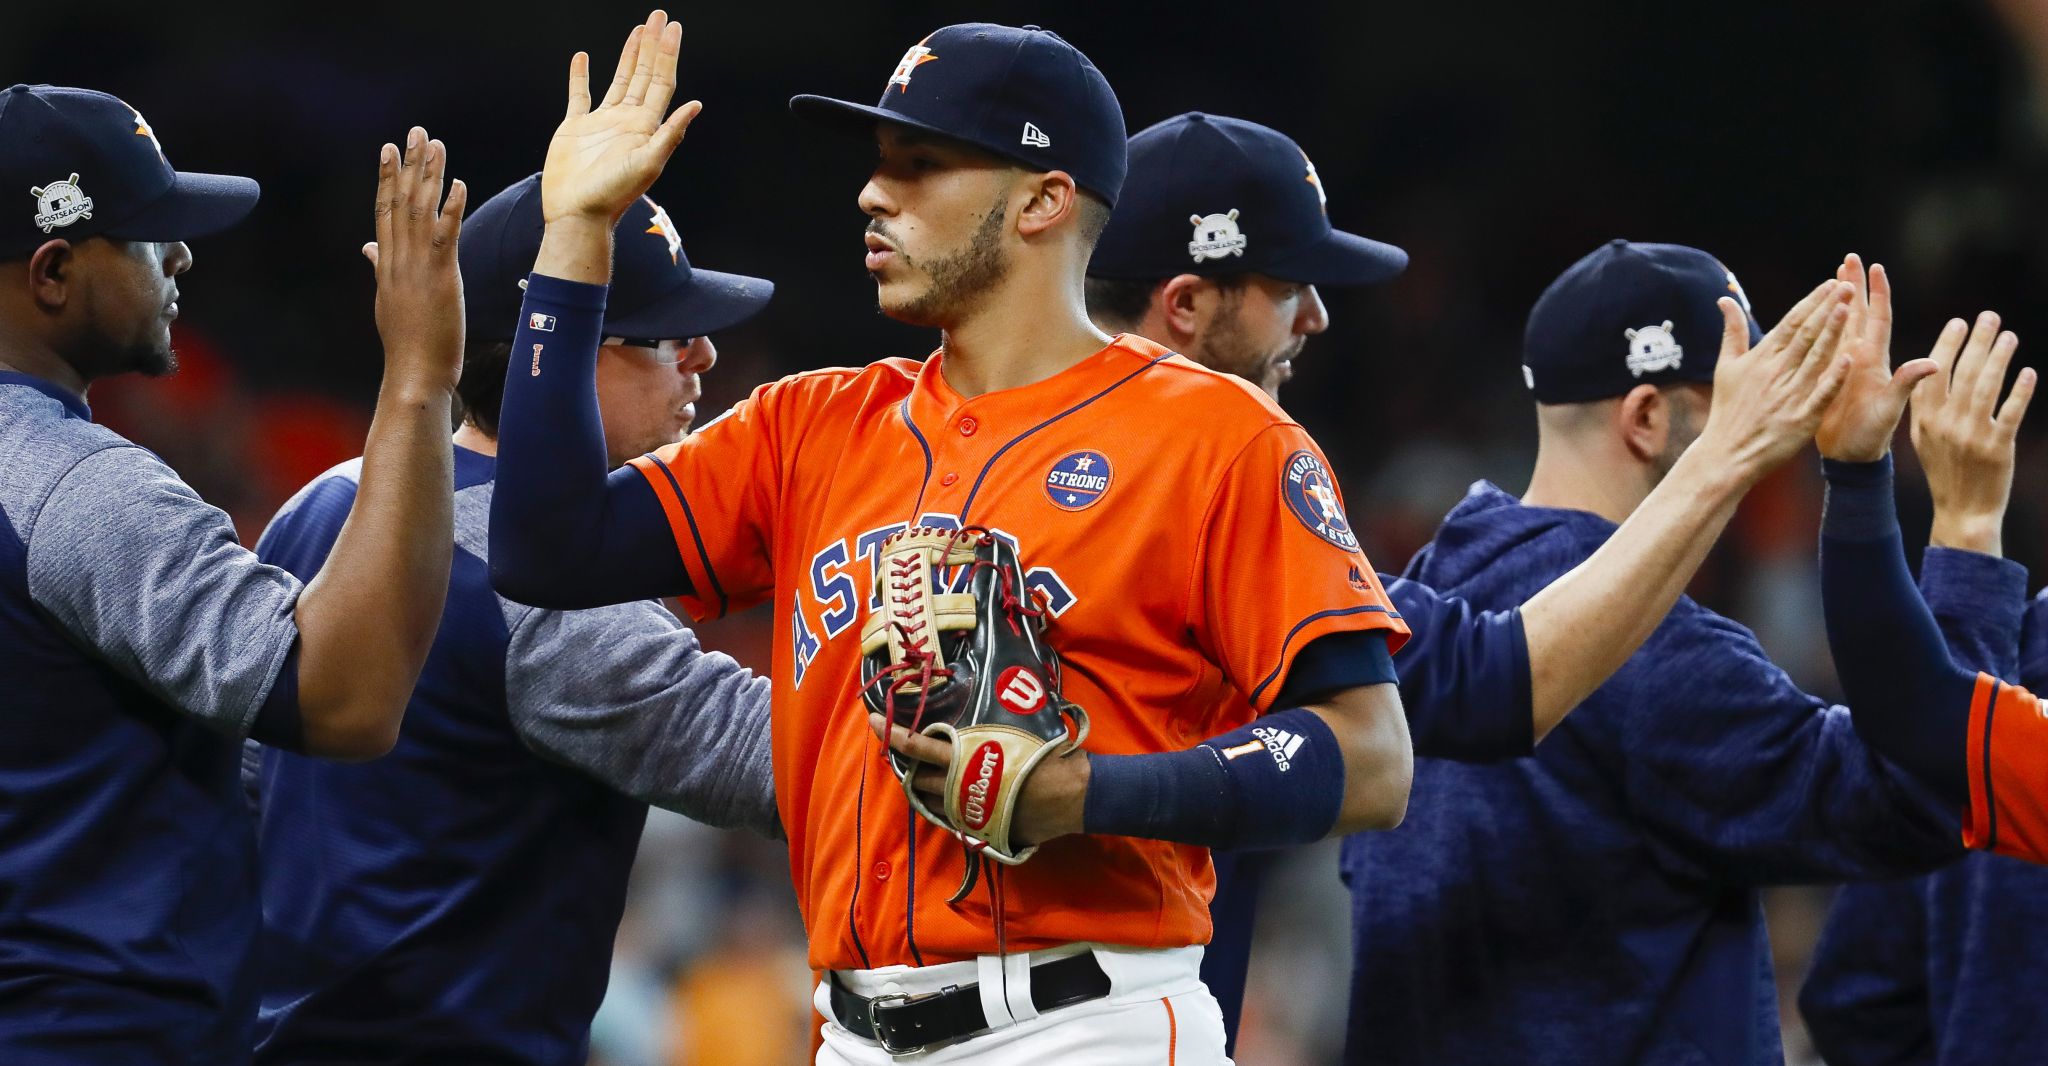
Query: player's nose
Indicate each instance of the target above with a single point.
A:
(1312, 318)
(177, 259)
(875, 201)
(699, 357)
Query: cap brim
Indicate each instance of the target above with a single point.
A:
(854, 119)
(195, 206)
(710, 301)
(1341, 258)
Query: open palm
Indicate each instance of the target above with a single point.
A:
(1859, 426)
(601, 159)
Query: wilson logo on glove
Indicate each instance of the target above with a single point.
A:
(976, 802)
(1021, 691)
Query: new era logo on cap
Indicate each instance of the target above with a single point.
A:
(1035, 137)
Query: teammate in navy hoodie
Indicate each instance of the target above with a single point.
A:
(1598, 903)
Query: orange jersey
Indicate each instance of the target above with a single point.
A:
(1184, 533)
(2008, 767)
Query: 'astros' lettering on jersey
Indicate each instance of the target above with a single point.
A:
(1185, 534)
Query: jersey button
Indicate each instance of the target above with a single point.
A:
(968, 426)
(881, 871)
(949, 479)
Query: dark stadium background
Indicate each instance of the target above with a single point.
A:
(1496, 142)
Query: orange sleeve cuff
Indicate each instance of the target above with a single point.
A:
(2008, 767)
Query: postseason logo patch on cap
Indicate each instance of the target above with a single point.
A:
(60, 203)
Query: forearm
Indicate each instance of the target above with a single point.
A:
(367, 621)
(565, 532)
(1911, 702)
(576, 249)
(1586, 624)
(1292, 777)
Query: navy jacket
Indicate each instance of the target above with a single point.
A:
(1598, 903)
(1944, 968)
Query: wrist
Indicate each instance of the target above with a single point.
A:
(576, 248)
(408, 390)
(1969, 532)
(1714, 477)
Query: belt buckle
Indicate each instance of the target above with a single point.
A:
(875, 1023)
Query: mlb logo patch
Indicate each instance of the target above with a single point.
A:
(540, 323)
(1077, 481)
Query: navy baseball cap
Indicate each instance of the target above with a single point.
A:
(655, 293)
(1627, 315)
(75, 163)
(1218, 196)
(1023, 94)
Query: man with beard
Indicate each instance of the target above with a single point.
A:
(1197, 568)
(1477, 687)
(1599, 902)
(139, 643)
(536, 739)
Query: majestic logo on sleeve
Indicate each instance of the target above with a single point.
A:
(60, 203)
(1077, 481)
(1653, 348)
(1312, 495)
(917, 56)
(1216, 236)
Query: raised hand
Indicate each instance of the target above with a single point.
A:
(419, 285)
(601, 160)
(1964, 436)
(1768, 401)
(1858, 427)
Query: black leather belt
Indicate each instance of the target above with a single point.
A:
(904, 1023)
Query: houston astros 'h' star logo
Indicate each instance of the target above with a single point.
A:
(666, 228)
(1311, 493)
(917, 56)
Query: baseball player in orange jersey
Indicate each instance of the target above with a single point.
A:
(1193, 574)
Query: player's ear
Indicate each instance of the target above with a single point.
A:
(51, 273)
(1055, 201)
(1182, 302)
(1644, 421)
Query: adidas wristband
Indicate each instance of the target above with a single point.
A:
(1275, 783)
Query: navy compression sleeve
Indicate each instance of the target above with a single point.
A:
(1276, 782)
(1910, 702)
(564, 534)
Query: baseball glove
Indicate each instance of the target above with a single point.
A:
(970, 668)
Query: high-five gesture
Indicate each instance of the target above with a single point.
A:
(1858, 428)
(419, 287)
(1769, 400)
(1964, 436)
(600, 160)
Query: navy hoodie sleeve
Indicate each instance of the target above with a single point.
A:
(1745, 777)
(1464, 676)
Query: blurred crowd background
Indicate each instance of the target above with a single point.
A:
(1496, 142)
